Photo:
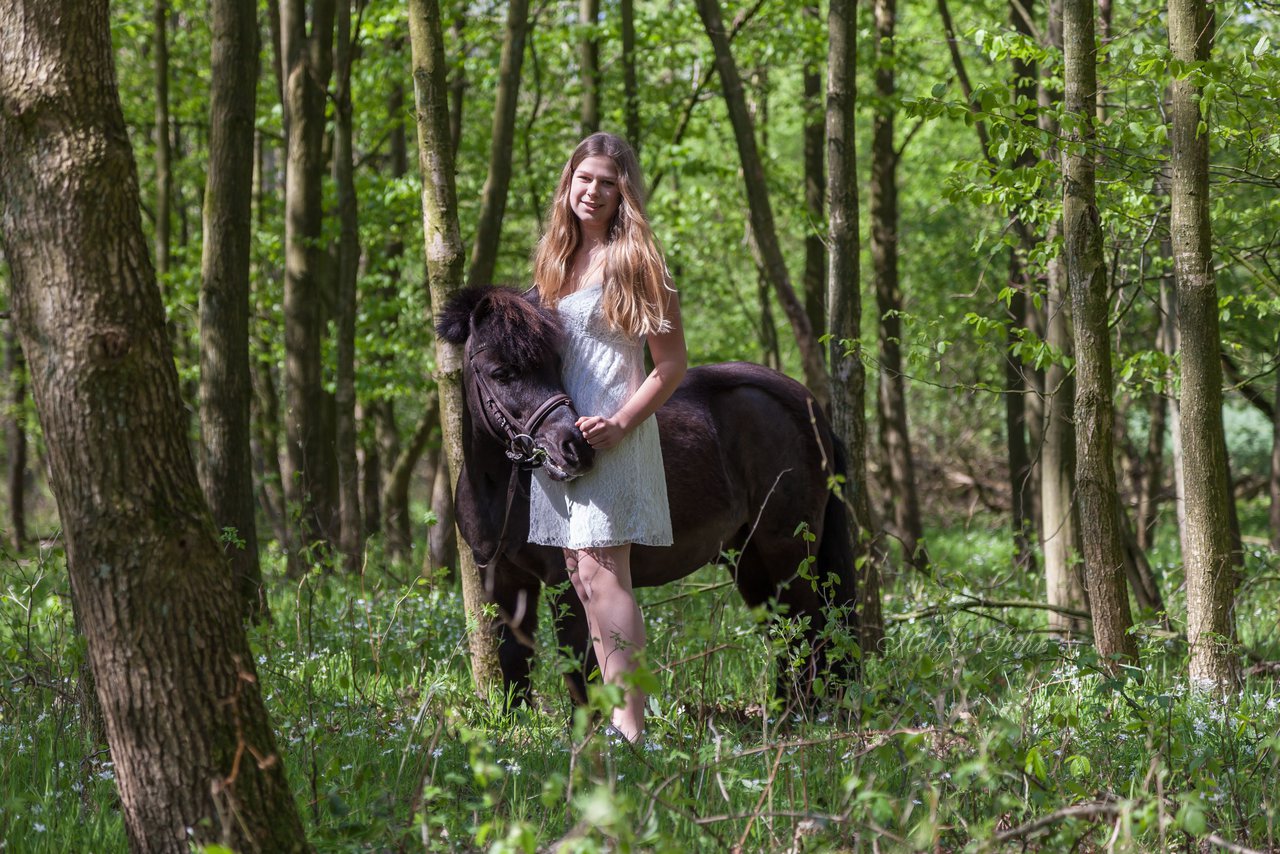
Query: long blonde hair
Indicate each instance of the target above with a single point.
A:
(635, 281)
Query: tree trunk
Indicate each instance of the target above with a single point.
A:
(1086, 274)
(630, 88)
(1207, 536)
(457, 79)
(16, 438)
(350, 528)
(815, 195)
(844, 302)
(1059, 519)
(589, 51)
(226, 387)
(1273, 482)
(444, 257)
(484, 252)
(194, 752)
(891, 399)
(1152, 467)
(395, 495)
(307, 68)
(164, 171)
(442, 538)
(762, 224)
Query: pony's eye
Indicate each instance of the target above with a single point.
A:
(502, 374)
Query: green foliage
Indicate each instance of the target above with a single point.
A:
(972, 722)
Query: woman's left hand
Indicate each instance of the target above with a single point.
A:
(600, 433)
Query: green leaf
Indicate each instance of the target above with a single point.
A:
(1261, 47)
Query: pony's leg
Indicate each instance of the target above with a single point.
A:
(603, 583)
(772, 564)
(573, 636)
(517, 601)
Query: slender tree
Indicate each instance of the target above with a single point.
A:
(444, 254)
(1086, 276)
(1207, 552)
(815, 180)
(307, 65)
(15, 434)
(589, 65)
(891, 397)
(395, 494)
(194, 751)
(1273, 482)
(844, 301)
(226, 386)
(350, 522)
(1059, 521)
(630, 88)
(164, 151)
(493, 204)
(761, 211)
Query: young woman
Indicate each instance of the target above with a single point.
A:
(599, 265)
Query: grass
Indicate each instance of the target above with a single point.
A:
(973, 723)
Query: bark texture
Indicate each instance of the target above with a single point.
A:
(350, 534)
(16, 438)
(226, 386)
(630, 86)
(761, 212)
(493, 204)
(589, 59)
(307, 65)
(815, 187)
(844, 303)
(195, 756)
(444, 254)
(891, 398)
(1207, 536)
(1100, 535)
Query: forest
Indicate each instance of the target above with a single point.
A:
(1025, 257)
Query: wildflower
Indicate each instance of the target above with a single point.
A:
(39, 828)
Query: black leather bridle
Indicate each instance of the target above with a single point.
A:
(500, 424)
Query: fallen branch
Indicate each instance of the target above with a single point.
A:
(1093, 810)
(970, 601)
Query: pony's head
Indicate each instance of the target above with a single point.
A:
(511, 371)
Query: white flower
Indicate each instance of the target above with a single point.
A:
(39, 828)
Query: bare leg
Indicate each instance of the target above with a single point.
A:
(602, 578)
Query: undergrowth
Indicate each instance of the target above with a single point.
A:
(974, 730)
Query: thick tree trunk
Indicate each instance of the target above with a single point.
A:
(226, 387)
(444, 255)
(307, 67)
(16, 438)
(589, 58)
(815, 189)
(1207, 536)
(194, 752)
(891, 399)
(761, 212)
(164, 170)
(844, 302)
(493, 204)
(630, 87)
(1100, 536)
(350, 538)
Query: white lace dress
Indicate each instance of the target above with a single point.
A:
(623, 499)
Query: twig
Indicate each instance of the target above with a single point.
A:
(1227, 845)
(1092, 810)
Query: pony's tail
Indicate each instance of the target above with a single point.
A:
(836, 554)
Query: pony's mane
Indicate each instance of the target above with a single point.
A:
(516, 330)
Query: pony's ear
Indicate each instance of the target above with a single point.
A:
(453, 323)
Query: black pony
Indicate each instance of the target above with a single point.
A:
(749, 459)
